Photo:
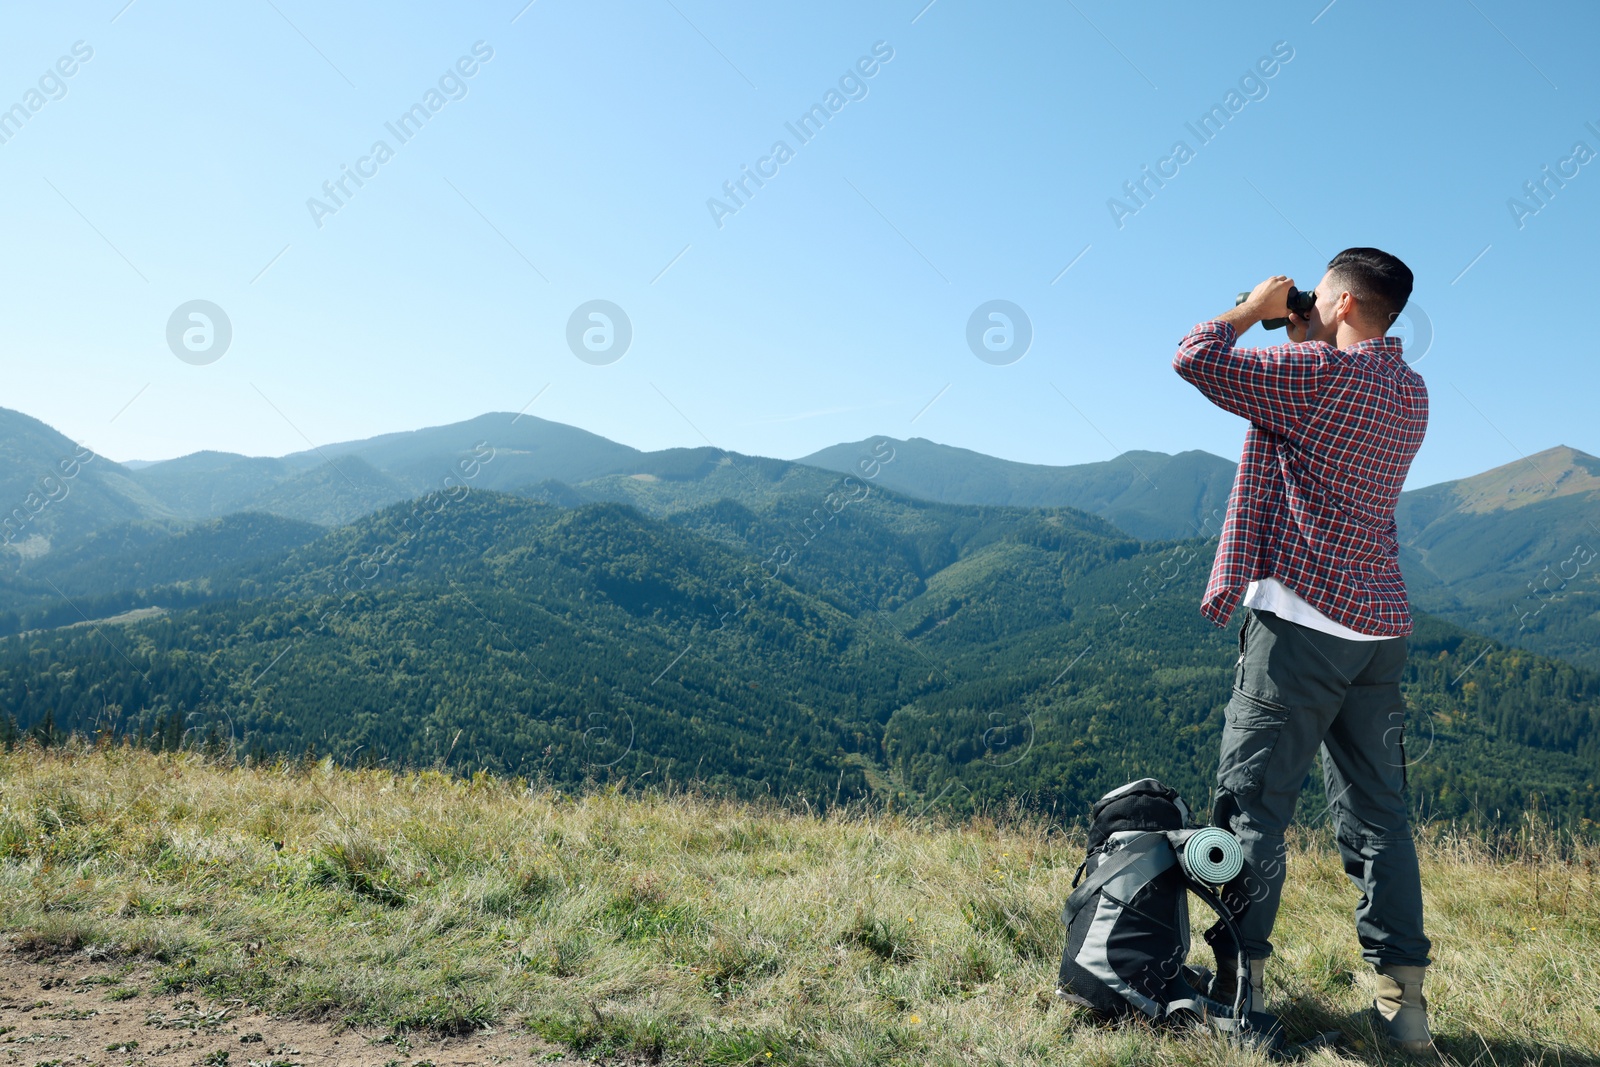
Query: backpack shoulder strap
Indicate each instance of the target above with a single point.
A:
(1219, 1018)
(1130, 853)
(1242, 981)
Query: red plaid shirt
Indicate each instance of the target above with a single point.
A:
(1332, 435)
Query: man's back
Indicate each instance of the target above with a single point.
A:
(1332, 436)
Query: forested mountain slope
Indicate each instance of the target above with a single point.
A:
(958, 656)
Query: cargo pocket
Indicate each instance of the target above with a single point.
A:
(1249, 735)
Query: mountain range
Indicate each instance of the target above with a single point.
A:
(890, 618)
(1148, 495)
(1512, 552)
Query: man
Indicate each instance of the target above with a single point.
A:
(1309, 548)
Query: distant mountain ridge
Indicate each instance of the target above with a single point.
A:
(338, 483)
(1150, 495)
(527, 449)
(1557, 473)
(53, 488)
(1510, 552)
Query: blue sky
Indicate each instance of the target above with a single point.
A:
(576, 163)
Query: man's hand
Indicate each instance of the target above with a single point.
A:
(1268, 300)
(1298, 328)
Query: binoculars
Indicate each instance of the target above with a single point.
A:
(1299, 303)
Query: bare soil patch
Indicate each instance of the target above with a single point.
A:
(70, 1009)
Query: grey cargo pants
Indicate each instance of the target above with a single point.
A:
(1296, 690)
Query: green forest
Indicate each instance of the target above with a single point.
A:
(814, 648)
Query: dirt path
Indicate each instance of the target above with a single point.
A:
(69, 1010)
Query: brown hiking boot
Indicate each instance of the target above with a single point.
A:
(1402, 1009)
(1257, 997)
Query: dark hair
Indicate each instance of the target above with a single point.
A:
(1380, 282)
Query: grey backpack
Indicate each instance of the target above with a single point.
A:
(1127, 920)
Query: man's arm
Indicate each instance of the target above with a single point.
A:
(1272, 387)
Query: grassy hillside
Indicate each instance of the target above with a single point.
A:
(1529, 575)
(1513, 552)
(677, 928)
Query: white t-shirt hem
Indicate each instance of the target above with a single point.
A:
(1269, 594)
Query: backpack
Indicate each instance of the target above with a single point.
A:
(1128, 920)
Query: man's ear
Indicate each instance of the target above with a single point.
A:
(1345, 306)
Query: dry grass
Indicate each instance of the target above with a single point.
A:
(700, 931)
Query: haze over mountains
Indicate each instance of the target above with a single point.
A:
(887, 617)
(1149, 495)
(1510, 552)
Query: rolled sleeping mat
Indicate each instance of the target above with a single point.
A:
(1212, 856)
